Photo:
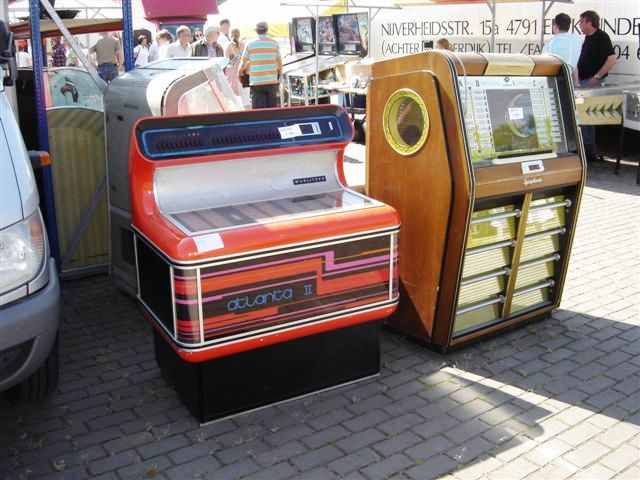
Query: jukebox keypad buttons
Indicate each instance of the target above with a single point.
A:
(405, 121)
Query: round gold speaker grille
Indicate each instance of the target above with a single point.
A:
(405, 121)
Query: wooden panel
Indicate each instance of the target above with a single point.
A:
(515, 64)
(472, 64)
(504, 179)
(409, 183)
(442, 67)
(546, 66)
(515, 261)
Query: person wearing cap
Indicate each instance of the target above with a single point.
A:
(208, 46)
(261, 60)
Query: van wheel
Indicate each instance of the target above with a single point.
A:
(42, 382)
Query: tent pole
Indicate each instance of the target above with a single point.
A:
(48, 198)
(127, 35)
(317, 57)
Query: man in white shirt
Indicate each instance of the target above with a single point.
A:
(182, 46)
(141, 52)
(23, 59)
(224, 39)
(565, 45)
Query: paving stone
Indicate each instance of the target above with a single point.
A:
(400, 423)
(276, 455)
(113, 462)
(202, 467)
(315, 458)
(470, 450)
(387, 467)
(598, 472)
(579, 434)
(360, 440)
(547, 452)
(354, 461)
(478, 468)
(397, 443)
(193, 451)
(251, 448)
(320, 473)
(586, 453)
(279, 471)
(328, 435)
(236, 470)
(165, 445)
(514, 470)
(558, 469)
(621, 458)
(150, 468)
(367, 420)
(618, 434)
(429, 448)
(434, 468)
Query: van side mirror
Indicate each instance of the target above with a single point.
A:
(8, 68)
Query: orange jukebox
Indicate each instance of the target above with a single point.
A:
(261, 273)
(481, 156)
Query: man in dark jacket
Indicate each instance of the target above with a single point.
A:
(208, 46)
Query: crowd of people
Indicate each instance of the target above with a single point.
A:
(257, 64)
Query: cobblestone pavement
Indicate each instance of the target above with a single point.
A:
(556, 399)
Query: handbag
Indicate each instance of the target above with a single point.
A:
(244, 79)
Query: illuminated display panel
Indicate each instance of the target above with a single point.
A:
(327, 44)
(304, 34)
(511, 117)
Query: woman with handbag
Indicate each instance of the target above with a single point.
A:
(234, 54)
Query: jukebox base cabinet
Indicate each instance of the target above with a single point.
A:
(233, 384)
(264, 277)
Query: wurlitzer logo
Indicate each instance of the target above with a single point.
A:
(532, 181)
(264, 299)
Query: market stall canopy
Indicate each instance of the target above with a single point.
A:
(421, 3)
(244, 16)
(76, 26)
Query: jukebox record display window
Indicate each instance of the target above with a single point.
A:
(511, 117)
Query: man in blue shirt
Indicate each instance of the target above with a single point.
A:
(564, 44)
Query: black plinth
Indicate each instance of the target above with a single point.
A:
(238, 383)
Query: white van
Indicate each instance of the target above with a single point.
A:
(29, 288)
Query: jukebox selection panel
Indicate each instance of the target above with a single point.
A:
(184, 141)
(507, 117)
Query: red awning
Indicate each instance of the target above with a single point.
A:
(163, 9)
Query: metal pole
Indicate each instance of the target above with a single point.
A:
(48, 199)
(127, 35)
(317, 59)
(493, 25)
(544, 15)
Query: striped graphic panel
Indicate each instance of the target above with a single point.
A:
(280, 289)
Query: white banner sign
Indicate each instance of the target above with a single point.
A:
(518, 28)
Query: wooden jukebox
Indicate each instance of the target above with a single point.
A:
(481, 156)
